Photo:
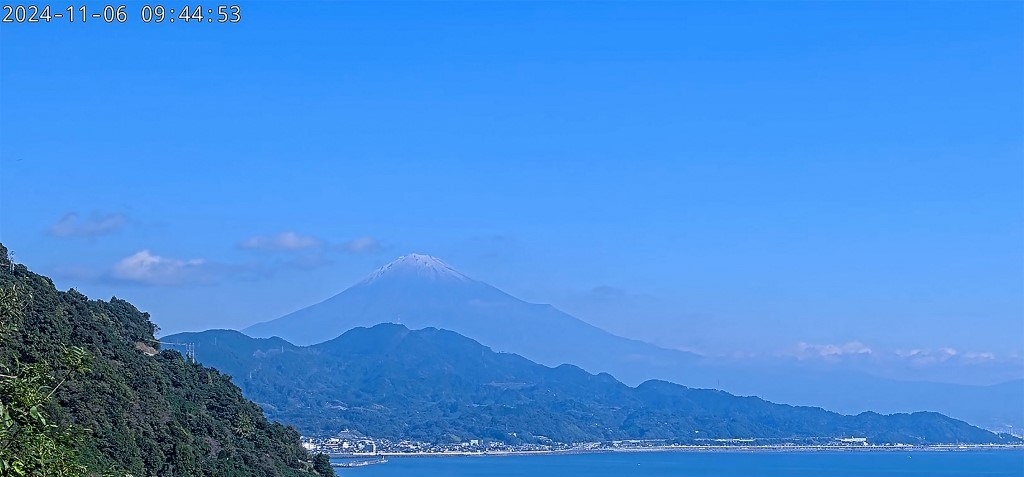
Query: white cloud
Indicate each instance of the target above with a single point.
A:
(360, 245)
(927, 356)
(939, 364)
(852, 348)
(284, 241)
(71, 225)
(979, 357)
(908, 353)
(294, 242)
(148, 269)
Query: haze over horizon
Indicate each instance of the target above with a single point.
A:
(849, 191)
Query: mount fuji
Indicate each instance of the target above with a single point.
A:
(421, 291)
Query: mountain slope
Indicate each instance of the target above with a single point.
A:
(144, 412)
(422, 291)
(436, 385)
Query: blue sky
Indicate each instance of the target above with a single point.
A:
(731, 178)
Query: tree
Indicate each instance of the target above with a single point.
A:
(322, 465)
(132, 412)
(30, 444)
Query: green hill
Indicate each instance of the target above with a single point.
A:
(438, 386)
(111, 402)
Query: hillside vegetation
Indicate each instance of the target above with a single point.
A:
(85, 390)
(439, 386)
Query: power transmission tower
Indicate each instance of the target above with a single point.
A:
(190, 349)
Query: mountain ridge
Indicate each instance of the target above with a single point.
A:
(552, 337)
(431, 384)
(393, 294)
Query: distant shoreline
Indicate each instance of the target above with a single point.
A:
(697, 449)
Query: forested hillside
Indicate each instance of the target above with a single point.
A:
(85, 390)
(439, 386)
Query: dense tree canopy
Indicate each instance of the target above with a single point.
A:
(439, 386)
(84, 383)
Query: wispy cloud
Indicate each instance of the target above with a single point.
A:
(71, 225)
(852, 348)
(976, 357)
(294, 242)
(914, 358)
(284, 241)
(360, 245)
(930, 356)
(298, 252)
(145, 268)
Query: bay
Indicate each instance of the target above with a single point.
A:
(998, 463)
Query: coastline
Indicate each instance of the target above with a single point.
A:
(695, 449)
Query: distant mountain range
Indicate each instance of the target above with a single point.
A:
(422, 291)
(436, 385)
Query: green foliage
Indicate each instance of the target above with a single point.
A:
(438, 386)
(322, 464)
(30, 443)
(81, 390)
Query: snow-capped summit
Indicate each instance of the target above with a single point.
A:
(421, 291)
(417, 265)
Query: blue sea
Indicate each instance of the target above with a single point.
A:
(1003, 463)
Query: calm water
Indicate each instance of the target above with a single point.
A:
(719, 464)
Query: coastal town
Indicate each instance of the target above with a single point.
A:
(348, 444)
